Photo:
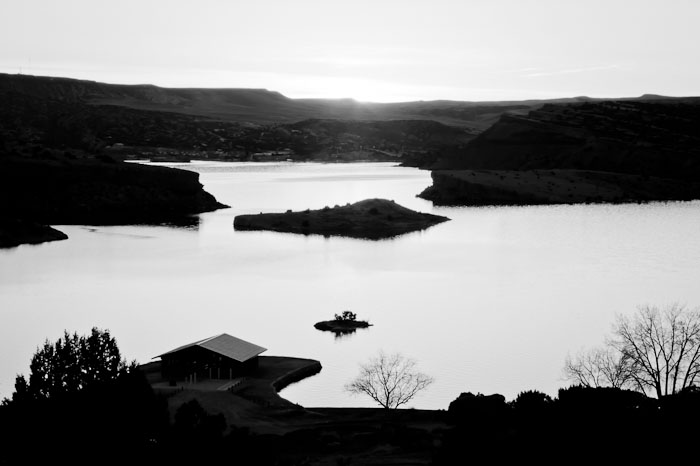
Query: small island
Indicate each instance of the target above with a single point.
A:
(369, 219)
(342, 324)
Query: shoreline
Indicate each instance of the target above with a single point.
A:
(251, 401)
(370, 219)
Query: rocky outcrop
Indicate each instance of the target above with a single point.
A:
(59, 190)
(612, 151)
(15, 232)
(368, 219)
(656, 138)
(63, 191)
(532, 187)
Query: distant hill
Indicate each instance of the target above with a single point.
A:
(611, 151)
(258, 105)
(658, 137)
(648, 136)
(145, 121)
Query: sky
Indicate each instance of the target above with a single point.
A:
(379, 50)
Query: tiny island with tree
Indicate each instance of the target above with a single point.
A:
(343, 323)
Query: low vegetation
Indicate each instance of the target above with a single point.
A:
(346, 316)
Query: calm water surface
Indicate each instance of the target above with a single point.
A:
(490, 302)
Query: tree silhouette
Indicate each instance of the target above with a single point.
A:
(600, 367)
(663, 345)
(71, 364)
(390, 380)
(656, 351)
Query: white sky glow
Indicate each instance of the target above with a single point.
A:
(380, 50)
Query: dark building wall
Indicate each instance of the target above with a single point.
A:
(204, 363)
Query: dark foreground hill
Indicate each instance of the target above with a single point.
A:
(129, 420)
(611, 151)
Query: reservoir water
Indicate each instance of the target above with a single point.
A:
(489, 302)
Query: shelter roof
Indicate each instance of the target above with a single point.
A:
(226, 345)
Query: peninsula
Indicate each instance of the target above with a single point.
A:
(588, 152)
(369, 219)
(57, 188)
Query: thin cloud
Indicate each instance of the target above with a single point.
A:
(571, 71)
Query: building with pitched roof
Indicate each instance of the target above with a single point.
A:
(218, 357)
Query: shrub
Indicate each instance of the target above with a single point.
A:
(346, 316)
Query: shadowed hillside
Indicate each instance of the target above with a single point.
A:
(658, 137)
(223, 124)
(643, 148)
(144, 121)
(255, 105)
(612, 151)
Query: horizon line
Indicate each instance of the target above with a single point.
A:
(349, 98)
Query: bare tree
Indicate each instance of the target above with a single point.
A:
(390, 380)
(664, 346)
(656, 351)
(600, 367)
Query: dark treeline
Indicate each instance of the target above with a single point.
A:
(581, 424)
(82, 403)
(124, 421)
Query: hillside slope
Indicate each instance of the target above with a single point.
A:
(660, 137)
(145, 121)
(181, 124)
(259, 106)
(648, 150)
